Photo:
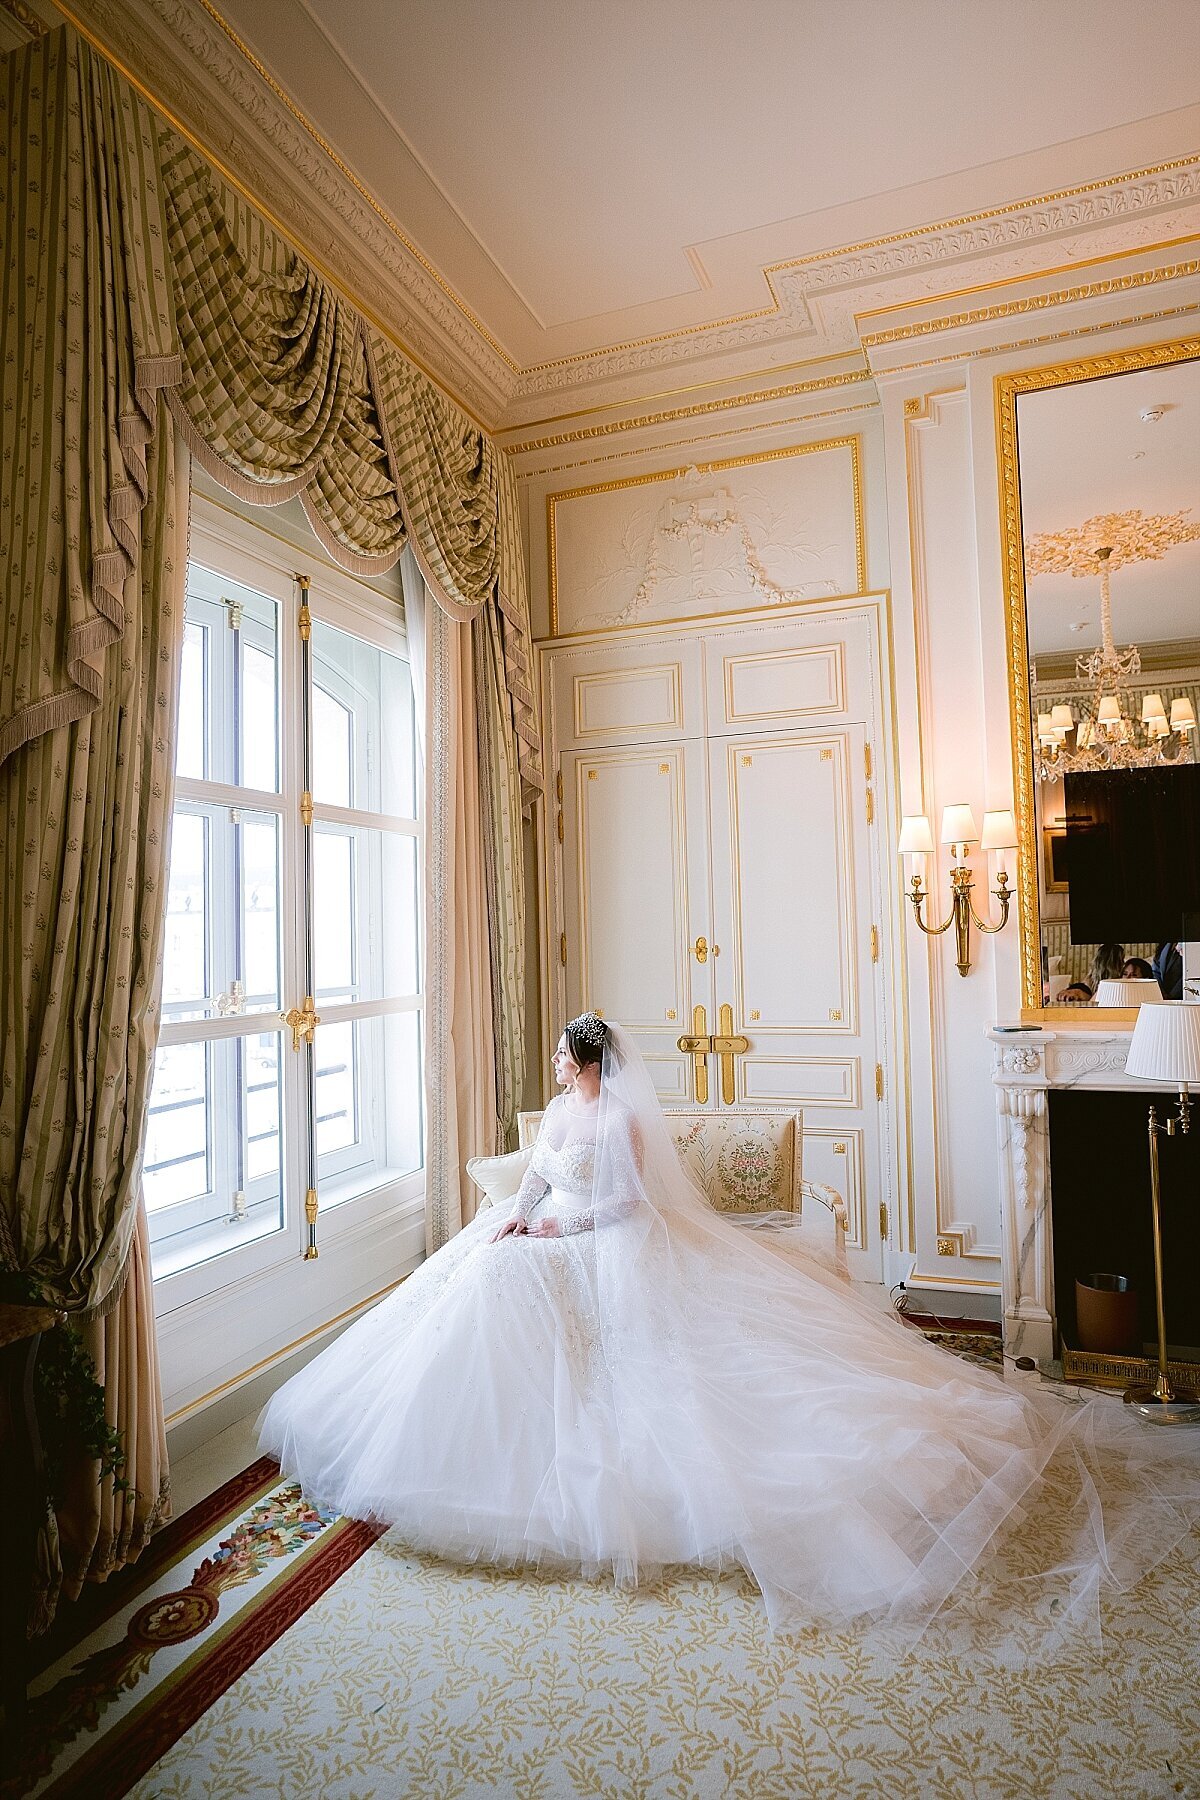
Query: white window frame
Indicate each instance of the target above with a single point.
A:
(228, 1311)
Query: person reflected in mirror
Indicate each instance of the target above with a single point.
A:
(1107, 964)
(1137, 969)
(1078, 994)
(1167, 970)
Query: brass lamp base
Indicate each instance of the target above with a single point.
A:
(1178, 1406)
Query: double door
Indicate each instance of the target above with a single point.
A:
(719, 884)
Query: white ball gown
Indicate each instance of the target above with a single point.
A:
(657, 1386)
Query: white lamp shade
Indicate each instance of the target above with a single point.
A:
(1108, 712)
(1183, 715)
(1136, 990)
(1045, 728)
(958, 825)
(915, 836)
(1152, 708)
(1157, 727)
(1166, 1044)
(1062, 718)
(999, 831)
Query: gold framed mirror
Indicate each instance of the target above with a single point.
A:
(1104, 448)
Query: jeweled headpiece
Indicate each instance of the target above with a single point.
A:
(589, 1028)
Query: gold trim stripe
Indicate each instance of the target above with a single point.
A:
(851, 442)
(673, 445)
(702, 409)
(194, 1406)
(1092, 290)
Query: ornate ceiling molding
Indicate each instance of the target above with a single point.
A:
(817, 296)
(191, 64)
(188, 66)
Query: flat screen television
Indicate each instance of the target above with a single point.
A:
(1133, 855)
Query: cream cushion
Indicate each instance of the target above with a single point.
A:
(499, 1177)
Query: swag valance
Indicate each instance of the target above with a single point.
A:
(173, 283)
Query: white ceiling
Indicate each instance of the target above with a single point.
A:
(584, 170)
(1085, 450)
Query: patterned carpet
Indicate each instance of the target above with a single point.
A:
(410, 1678)
(266, 1648)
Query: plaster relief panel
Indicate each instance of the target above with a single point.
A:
(715, 538)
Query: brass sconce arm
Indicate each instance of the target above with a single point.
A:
(962, 914)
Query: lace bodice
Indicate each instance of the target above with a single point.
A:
(569, 1169)
(562, 1168)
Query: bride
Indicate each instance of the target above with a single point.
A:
(620, 1378)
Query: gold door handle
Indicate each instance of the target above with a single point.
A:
(727, 1045)
(699, 1047)
(302, 1023)
(700, 950)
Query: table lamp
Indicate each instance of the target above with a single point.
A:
(1165, 1048)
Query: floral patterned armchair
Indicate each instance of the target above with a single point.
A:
(745, 1162)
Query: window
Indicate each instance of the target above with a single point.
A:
(295, 871)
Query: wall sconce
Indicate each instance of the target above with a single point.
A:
(959, 830)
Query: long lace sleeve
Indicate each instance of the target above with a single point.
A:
(620, 1177)
(532, 1190)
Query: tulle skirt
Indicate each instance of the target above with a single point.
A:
(849, 1466)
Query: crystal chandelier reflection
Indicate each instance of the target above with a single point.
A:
(1108, 732)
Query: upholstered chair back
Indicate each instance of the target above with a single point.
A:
(743, 1162)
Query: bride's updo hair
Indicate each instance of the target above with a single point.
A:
(586, 1039)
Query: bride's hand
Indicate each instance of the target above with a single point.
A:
(544, 1228)
(511, 1228)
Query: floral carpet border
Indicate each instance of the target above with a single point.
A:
(125, 1754)
(78, 1619)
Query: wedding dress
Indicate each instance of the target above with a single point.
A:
(654, 1385)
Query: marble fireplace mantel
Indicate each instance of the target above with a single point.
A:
(1026, 1065)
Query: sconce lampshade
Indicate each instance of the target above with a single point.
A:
(1152, 708)
(1109, 711)
(1136, 991)
(999, 831)
(1062, 718)
(916, 839)
(1166, 1044)
(1183, 715)
(958, 825)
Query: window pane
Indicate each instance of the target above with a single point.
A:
(386, 1143)
(190, 744)
(236, 708)
(259, 873)
(177, 1160)
(213, 1162)
(333, 729)
(259, 719)
(365, 917)
(222, 950)
(337, 1089)
(363, 744)
(185, 950)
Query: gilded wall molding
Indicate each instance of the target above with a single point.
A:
(701, 409)
(1029, 303)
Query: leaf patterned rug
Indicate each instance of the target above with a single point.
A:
(275, 1650)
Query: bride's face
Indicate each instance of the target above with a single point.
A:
(565, 1067)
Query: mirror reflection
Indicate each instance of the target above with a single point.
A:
(1110, 506)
